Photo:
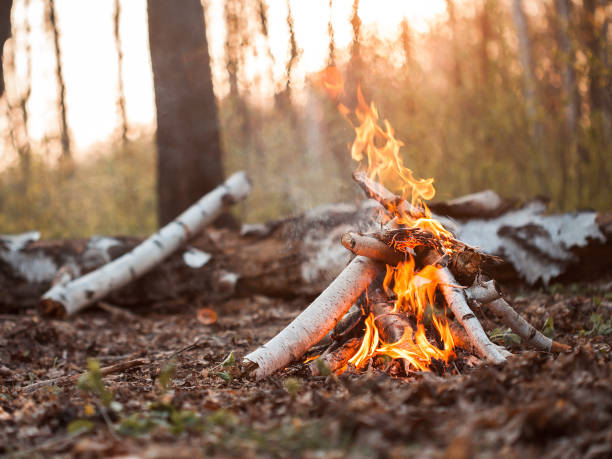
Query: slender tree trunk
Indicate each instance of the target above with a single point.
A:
(599, 98)
(188, 146)
(64, 135)
(263, 20)
(120, 89)
(485, 28)
(354, 79)
(530, 90)
(283, 98)
(572, 99)
(5, 33)
(520, 21)
(593, 42)
(17, 113)
(452, 20)
(406, 40)
(331, 57)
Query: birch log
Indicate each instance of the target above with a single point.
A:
(368, 246)
(395, 204)
(316, 320)
(455, 298)
(489, 295)
(67, 298)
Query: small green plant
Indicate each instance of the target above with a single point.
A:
(322, 367)
(230, 369)
(549, 328)
(504, 336)
(599, 326)
(92, 382)
(292, 386)
(166, 374)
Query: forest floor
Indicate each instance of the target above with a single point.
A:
(182, 402)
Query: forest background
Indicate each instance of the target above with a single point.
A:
(503, 94)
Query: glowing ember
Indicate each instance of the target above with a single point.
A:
(377, 151)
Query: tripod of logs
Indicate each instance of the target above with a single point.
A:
(459, 278)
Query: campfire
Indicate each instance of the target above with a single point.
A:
(409, 301)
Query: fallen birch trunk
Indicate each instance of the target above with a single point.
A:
(316, 320)
(489, 295)
(455, 298)
(67, 298)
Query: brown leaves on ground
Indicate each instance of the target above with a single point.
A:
(190, 399)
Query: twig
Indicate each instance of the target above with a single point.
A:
(105, 371)
(489, 295)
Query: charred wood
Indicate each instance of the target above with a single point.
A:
(336, 359)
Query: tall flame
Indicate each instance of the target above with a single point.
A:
(377, 151)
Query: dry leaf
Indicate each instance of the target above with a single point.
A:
(207, 316)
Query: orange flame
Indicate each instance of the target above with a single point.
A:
(377, 151)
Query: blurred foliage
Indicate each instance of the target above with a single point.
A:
(455, 96)
(109, 193)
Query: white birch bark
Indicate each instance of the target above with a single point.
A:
(488, 294)
(370, 247)
(68, 298)
(455, 298)
(316, 320)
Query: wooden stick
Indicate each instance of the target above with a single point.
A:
(335, 359)
(390, 326)
(346, 325)
(316, 320)
(62, 380)
(455, 298)
(395, 204)
(67, 298)
(489, 295)
(368, 246)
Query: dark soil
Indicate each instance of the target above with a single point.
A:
(537, 405)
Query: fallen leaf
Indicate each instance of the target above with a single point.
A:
(207, 316)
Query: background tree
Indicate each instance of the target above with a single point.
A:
(5, 33)
(188, 147)
(59, 73)
(120, 89)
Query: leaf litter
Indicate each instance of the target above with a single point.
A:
(191, 400)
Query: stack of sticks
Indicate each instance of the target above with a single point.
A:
(339, 312)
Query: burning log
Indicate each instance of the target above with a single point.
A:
(335, 359)
(489, 295)
(67, 298)
(347, 324)
(395, 204)
(368, 246)
(315, 321)
(394, 246)
(391, 325)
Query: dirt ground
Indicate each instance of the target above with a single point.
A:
(182, 401)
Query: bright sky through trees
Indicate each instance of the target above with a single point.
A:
(90, 62)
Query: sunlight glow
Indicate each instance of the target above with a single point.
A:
(90, 63)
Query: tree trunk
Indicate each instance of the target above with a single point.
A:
(571, 96)
(5, 33)
(188, 146)
(452, 20)
(331, 58)
(59, 73)
(120, 89)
